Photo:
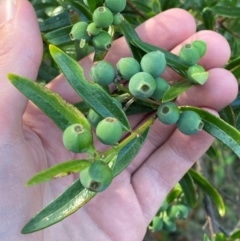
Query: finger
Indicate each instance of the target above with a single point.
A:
(166, 30)
(20, 53)
(165, 167)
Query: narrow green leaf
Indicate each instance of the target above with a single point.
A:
(208, 19)
(233, 63)
(93, 4)
(211, 191)
(174, 193)
(188, 189)
(59, 170)
(206, 238)
(218, 128)
(67, 203)
(47, 72)
(211, 152)
(52, 104)
(227, 115)
(226, 11)
(91, 93)
(176, 89)
(235, 235)
(128, 152)
(59, 36)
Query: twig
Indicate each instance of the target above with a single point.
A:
(135, 9)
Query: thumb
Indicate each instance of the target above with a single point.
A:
(20, 53)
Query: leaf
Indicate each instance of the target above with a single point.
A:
(59, 170)
(227, 115)
(220, 237)
(91, 93)
(176, 89)
(206, 238)
(47, 72)
(188, 189)
(211, 191)
(233, 63)
(52, 104)
(93, 4)
(58, 36)
(226, 11)
(208, 19)
(218, 128)
(235, 235)
(174, 193)
(128, 152)
(67, 203)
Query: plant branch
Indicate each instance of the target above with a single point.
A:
(135, 9)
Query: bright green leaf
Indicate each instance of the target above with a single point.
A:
(59, 170)
(59, 36)
(52, 104)
(220, 237)
(218, 128)
(226, 11)
(91, 93)
(174, 193)
(211, 191)
(206, 238)
(235, 235)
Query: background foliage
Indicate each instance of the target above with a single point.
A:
(220, 166)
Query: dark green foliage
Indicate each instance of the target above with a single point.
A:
(77, 139)
(109, 131)
(153, 63)
(93, 118)
(168, 113)
(96, 177)
(142, 85)
(189, 123)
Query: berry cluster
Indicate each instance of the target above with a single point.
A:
(95, 32)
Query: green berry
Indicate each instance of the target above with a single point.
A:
(109, 131)
(169, 224)
(168, 113)
(157, 224)
(197, 74)
(178, 211)
(116, 6)
(92, 29)
(77, 139)
(153, 63)
(79, 32)
(102, 41)
(96, 177)
(189, 55)
(102, 72)
(161, 88)
(102, 17)
(164, 206)
(127, 67)
(189, 122)
(201, 46)
(117, 19)
(94, 118)
(142, 85)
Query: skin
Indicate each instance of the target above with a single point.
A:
(30, 142)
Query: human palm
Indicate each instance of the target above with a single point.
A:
(30, 142)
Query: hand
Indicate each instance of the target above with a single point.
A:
(30, 142)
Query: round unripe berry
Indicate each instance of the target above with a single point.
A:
(102, 17)
(201, 46)
(178, 211)
(109, 131)
(93, 30)
(93, 118)
(161, 88)
(117, 19)
(142, 85)
(197, 74)
(189, 55)
(154, 63)
(189, 122)
(102, 72)
(79, 32)
(116, 6)
(127, 67)
(96, 177)
(102, 41)
(169, 224)
(168, 113)
(77, 139)
(157, 224)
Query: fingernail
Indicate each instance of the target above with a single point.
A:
(7, 10)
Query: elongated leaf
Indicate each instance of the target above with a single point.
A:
(93, 4)
(56, 108)
(128, 152)
(188, 188)
(175, 193)
(226, 11)
(233, 63)
(47, 72)
(59, 36)
(59, 170)
(211, 191)
(176, 89)
(218, 128)
(206, 238)
(227, 115)
(91, 93)
(67, 203)
(235, 235)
